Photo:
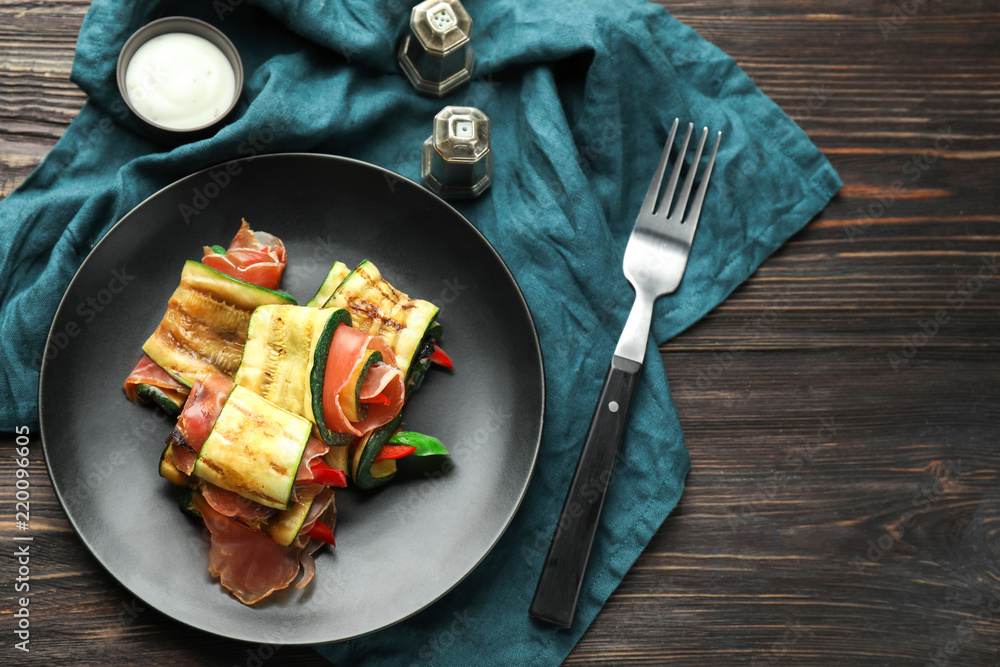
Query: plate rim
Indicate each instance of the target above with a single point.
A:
(389, 174)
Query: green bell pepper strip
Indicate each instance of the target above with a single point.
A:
(425, 445)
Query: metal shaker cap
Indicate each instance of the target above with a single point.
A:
(436, 56)
(457, 161)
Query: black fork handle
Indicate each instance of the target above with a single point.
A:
(561, 581)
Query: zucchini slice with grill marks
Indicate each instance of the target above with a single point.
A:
(378, 308)
(254, 449)
(284, 360)
(365, 471)
(334, 277)
(205, 325)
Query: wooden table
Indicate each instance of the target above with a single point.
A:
(841, 407)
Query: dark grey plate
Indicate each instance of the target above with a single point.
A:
(398, 549)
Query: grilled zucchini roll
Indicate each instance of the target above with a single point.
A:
(311, 362)
(205, 326)
(285, 358)
(254, 450)
(376, 307)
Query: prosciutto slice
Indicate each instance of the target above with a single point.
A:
(251, 565)
(254, 257)
(196, 420)
(348, 349)
(233, 505)
(304, 489)
(149, 372)
(315, 449)
(323, 509)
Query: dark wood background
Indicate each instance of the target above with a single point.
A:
(844, 502)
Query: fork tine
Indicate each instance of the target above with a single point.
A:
(675, 173)
(649, 203)
(699, 197)
(682, 199)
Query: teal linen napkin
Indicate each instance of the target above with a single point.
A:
(581, 95)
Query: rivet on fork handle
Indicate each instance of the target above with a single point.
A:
(566, 563)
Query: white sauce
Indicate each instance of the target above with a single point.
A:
(179, 80)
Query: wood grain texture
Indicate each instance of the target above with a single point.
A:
(841, 407)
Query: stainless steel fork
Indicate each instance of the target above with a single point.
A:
(655, 259)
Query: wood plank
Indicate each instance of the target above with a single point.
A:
(37, 100)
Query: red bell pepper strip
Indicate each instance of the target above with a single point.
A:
(394, 452)
(377, 398)
(440, 357)
(321, 532)
(327, 476)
